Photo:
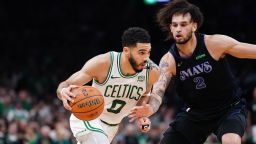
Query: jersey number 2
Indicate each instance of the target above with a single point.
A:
(200, 84)
(116, 106)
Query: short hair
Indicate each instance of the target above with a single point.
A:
(135, 35)
(164, 16)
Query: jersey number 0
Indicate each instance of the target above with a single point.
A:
(116, 106)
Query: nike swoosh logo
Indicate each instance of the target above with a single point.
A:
(113, 77)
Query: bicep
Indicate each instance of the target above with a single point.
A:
(89, 71)
(227, 45)
(166, 66)
(242, 50)
(79, 78)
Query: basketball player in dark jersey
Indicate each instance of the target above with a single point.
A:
(203, 79)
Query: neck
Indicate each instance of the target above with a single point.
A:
(126, 66)
(187, 49)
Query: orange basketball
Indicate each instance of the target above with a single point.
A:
(88, 103)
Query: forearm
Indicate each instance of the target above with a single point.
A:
(166, 66)
(60, 87)
(155, 102)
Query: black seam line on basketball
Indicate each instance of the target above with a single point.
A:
(90, 110)
(83, 99)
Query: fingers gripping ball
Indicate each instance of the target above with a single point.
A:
(88, 103)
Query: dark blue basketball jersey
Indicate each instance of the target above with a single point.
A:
(203, 82)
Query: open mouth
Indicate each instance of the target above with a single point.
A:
(178, 36)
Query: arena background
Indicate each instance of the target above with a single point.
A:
(43, 42)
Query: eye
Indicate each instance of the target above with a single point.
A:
(174, 25)
(183, 24)
(142, 53)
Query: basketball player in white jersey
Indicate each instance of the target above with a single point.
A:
(124, 79)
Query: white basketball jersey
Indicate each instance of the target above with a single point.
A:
(121, 93)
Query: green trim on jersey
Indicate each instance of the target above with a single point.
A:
(89, 127)
(109, 70)
(147, 77)
(119, 67)
(109, 123)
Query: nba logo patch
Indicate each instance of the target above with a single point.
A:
(141, 78)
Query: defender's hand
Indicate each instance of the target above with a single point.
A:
(144, 124)
(140, 111)
(67, 95)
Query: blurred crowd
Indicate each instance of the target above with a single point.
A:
(31, 113)
(27, 119)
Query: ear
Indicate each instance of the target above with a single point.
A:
(126, 50)
(194, 27)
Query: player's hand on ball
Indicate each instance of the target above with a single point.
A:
(140, 111)
(67, 95)
(144, 124)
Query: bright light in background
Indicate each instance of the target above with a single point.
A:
(152, 2)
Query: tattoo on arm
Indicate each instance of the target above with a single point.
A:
(154, 103)
(152, 65)
(161, 85)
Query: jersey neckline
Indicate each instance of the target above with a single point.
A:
(119, 68)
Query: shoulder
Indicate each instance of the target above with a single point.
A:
(168, 64)
(101, 60)
(217, 44)
(169, 58)
(220, 40)
(152, 65)
(154, 70)
(98, 63)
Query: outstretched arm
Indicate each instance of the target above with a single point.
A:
(221, 45)
(167, 68)
(243, 50)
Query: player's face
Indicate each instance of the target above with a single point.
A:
(139, 56)
(182, 28)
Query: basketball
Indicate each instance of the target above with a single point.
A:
(88, 103)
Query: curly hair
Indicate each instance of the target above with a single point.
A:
(135, 35)
(164, 16)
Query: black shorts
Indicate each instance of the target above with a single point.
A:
(187, 129)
